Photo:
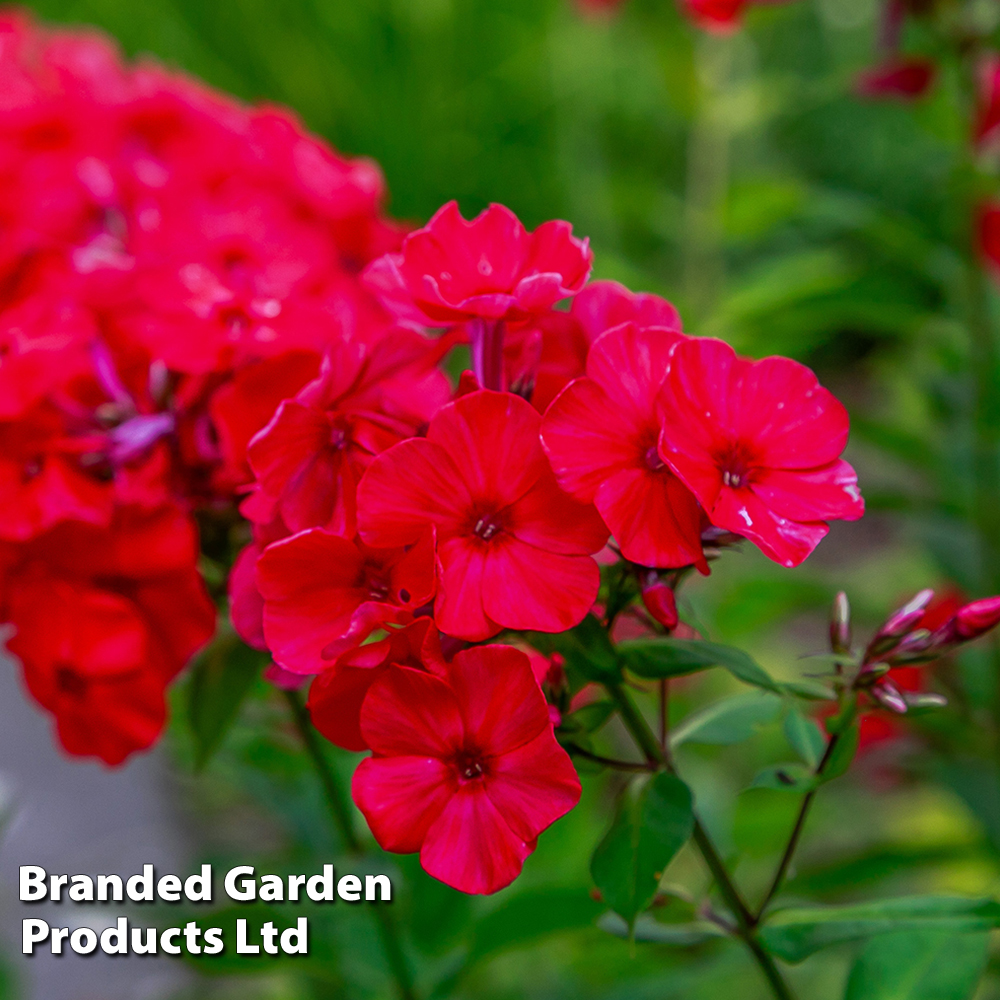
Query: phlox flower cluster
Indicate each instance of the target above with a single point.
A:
(388, 538)
(212, 339)
(172, 266)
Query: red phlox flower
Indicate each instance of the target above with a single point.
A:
(245, 404)
(324, 594)
(337, 694)
(988, 226)
(759, 444)
(988, 103)
(606, 304)
(513, 549)
(491, 268)
(906, 77)
(104, 619)
(465, 768)
(309, 458)
(601, 437)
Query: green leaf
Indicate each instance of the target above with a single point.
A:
(729, 720)
(805, 737)
(919, 965)
(589, 718)
(220, 679)
(658, 658)
(653, 822)
(796, 933)
(792, 777)
(810, 689)
(841, 755)
(587, 650)
(647, 929)
(531, 916)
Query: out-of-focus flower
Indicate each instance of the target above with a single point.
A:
(601, 435)
(514, 550)
(466, 769)
(759, 445)
(902, 77)
(105, 618)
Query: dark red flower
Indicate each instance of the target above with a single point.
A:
(513, 549)
(899, 77)
(988, 103)
(601, 437)
(759, 444)
(465, 769)
(988, 225)
(324, 594)
(716, 15)
(105, 619)
(491, 268)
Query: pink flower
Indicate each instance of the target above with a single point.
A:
(324, 594)
(465, 768)
(720, 16)
(759, 444)
(491, 268)
(898, 76)
(601, 437)
(513, 549)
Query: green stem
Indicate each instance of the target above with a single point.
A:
(340, 810)
(800, 823)
(746, 926)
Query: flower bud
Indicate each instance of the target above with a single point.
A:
(889, 696)
(661, 604)
(840, 624)
(977, 618)
(901, 621)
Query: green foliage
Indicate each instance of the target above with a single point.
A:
(804, 736)
(919, 965)
(658, 658)
(219, 681)
(796, 933)
(728, 720)
(588, 651)
(653, 822)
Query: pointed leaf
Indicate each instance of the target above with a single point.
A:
(659, 658)
(648, 929)
(653, 822)
(804, 736)
(796, 933)
(730, 720)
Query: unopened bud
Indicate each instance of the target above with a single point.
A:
(840, 624)
(889, 696)
(977, 618)
(925, 699)
(661, 604)
(901, 621)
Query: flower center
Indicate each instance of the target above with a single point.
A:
(376, 585)
(70, 682)
(653, 461)
(735, 466)
(470, 765)
(487, 526)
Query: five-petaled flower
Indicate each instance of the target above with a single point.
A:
(514, 550)
(465, 767)
(759, 444)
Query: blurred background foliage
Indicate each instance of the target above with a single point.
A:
(742, 178)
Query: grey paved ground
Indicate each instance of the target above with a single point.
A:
(72, 816)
